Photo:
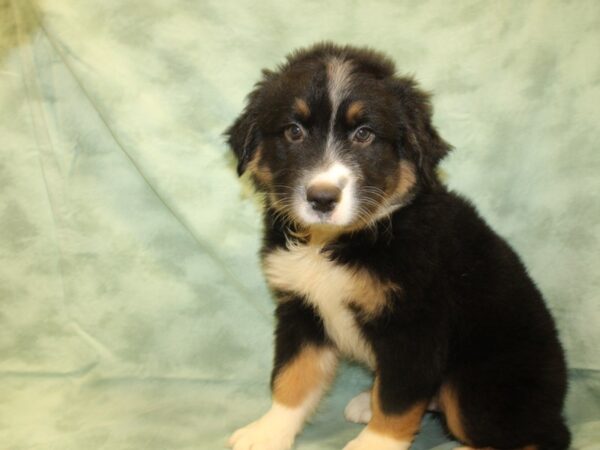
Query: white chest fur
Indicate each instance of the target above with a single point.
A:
(328, 286)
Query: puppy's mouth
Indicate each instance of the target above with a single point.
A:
(319, 213)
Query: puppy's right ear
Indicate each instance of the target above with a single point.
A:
(243, 137)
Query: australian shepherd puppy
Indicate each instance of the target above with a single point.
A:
(370, 257)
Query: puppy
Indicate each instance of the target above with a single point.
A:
(370, 257)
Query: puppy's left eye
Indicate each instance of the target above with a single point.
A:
(363, 134)
(294, 133)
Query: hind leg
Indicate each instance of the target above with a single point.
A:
(388, 430)
(502, 408)
(528, 447)
(457, 425)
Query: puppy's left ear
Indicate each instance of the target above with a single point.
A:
(243, 137)
(419, 135)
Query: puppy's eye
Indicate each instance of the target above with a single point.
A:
(294, 133)
(362, 135)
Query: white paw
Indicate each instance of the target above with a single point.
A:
(369, 440)
(358, 409)
(260, 435)
(275, 430)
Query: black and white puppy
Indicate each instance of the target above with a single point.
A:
(370, 257)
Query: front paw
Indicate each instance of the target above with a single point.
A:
(370, 440)
(275, 430)
(260, 436)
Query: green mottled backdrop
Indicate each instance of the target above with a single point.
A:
(132, 311)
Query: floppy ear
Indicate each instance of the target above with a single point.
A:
(419, 135)
(243, 137)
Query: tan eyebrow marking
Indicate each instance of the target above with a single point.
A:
(301, 107)
(355, 110)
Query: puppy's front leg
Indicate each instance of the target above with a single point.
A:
(304, 366)
(387, 430)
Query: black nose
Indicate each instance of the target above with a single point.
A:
(323, 197)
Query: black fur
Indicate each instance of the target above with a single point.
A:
(467, 315)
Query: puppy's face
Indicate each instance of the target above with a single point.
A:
(335, 139)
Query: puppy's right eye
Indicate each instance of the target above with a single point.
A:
(294, 133)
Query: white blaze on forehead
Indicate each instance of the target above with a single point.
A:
(339, 81)
(338, 75)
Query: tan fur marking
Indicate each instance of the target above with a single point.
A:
(402, 427)
(354, 111)
(309, 372)
(301, 107)
(407, 178)
(449, 405)
(262, 174)
(396, 196)
(370, 293)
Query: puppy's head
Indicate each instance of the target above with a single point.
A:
(336, 139)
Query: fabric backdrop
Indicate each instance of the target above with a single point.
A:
(133, 314)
